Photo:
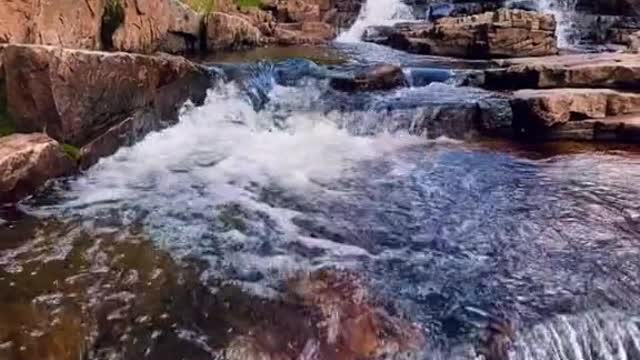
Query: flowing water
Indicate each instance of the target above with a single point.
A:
(278, 174)
(376, 12)
(564, 12)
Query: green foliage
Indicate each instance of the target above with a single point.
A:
(71, 151)
(248, 3)
(111, 21)
(207, 6)
(202, 6)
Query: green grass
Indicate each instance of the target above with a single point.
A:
(207, 6)
(248, 3)
(71, 151)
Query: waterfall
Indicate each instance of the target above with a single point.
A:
(607, 335)
(564, 12)
(376, 12)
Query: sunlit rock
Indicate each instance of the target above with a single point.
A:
(379, 77)
(85, 93)
(499, 34)
(27, 161)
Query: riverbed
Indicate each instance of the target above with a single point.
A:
(173, 247)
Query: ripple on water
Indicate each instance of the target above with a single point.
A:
(439, 228)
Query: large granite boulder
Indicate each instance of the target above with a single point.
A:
(149, 26)
(605, 70)
(500, 34)
(27, 161)
(78, 96)
(225, 31)
(66, 23)
(304, 33)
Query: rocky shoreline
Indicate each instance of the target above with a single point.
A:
(93, 86)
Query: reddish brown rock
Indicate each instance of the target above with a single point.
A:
(149, 26)
(605, 70)
(27, 161)
(546, 108)
(15, 17)
(309, 33)
(68, 23)
(288, 11)
(65, 23)
(379, 77)
(225, 31)
(502, 33)
(351, 322)
(624, 128)
(85, 93)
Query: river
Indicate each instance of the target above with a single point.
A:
(172, 247)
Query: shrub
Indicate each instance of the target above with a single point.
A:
(71, 151)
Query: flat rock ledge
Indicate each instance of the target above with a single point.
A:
(27, 161)
(604, 70)
(97, 101)
(497, 34)
(585, 97)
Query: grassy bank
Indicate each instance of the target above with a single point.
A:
(207, 6)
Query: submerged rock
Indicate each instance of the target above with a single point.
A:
(379, 77)
(503, 33)
(84, 94)
(27, 161)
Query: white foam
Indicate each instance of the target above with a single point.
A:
(226, 145)
(376, 12)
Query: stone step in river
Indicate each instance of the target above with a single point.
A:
(286, 219)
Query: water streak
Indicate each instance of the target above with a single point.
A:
(376, 12)
(564, 12)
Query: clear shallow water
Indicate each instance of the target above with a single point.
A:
(272, 178)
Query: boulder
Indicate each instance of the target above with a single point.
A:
(547, 108)
(149, 26)
(27, 161)
(351, 324)
(65, 23)
(604, 70)
(379, 77)
(15, 17)
(297, 11)
(225, 31)
(624, 128)
(85, 93)
(498, 34)
(307, 33)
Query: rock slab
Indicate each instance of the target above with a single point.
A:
(499, 34)
(27, 161)
(75, 96)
